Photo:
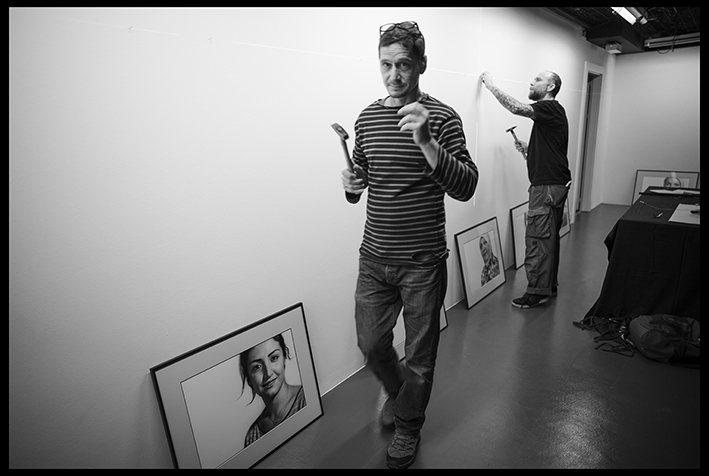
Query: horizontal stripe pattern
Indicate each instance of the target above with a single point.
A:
(405, 198)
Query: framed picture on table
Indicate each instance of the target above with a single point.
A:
(216, 400)
(668, 179)
(518, 218)
(480, 258)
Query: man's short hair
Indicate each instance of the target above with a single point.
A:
(556, 81)
(407, 34)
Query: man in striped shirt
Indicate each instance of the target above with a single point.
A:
(409, 152)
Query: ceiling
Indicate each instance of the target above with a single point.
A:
(665, 28)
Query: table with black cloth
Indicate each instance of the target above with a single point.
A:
(653, 264)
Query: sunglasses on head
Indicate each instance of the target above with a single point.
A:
(408, 26)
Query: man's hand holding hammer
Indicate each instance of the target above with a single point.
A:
(520, 145)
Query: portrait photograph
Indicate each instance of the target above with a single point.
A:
(480, 258)
(231, 402)
(665, 179)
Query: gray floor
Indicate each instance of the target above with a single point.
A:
(524, 388)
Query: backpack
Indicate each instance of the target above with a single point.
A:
(662, 337)
(666, 338)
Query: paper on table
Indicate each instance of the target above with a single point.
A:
(682, 214)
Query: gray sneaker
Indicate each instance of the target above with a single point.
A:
(402, 450)
(386, 415)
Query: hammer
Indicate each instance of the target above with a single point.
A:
(351, 197)
(512, 131)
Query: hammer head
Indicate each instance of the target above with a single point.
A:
(341, 132)
(511, 129)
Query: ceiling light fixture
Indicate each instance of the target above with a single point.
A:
(637, 13)
(626, 14)
(672, 41)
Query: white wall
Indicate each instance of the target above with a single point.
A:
(174, 177)
(653, 123)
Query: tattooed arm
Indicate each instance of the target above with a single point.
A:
(507, 101)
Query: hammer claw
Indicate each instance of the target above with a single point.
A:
(340, 131)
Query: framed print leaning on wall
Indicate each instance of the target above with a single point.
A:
(480, 258)
(518, 218)
(217, 400)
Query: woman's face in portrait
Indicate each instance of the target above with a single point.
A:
(672, 182)
(266, 368)
(484, 249)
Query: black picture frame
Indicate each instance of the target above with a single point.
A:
(518, 218)
(656, 178)
(480, 278)
(207, 408)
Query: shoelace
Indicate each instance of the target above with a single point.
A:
(403, 443)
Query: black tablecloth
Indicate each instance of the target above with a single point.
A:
(653, 264)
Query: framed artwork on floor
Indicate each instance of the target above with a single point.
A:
(217, 401)
(480, 258)
(518, 218)
(667, 179)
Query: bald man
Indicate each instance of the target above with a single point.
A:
(549, 177)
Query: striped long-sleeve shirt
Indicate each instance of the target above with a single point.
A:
(405, 207)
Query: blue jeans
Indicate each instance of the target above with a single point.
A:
(382, 291)
(542, 244)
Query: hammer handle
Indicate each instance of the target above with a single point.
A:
(351, 197)
(350, 166)
(518, 142)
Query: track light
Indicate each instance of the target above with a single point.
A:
(639, 16)
(626, 14)
(630, 14)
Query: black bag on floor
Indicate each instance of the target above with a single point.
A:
(662, 337)
(666, 338)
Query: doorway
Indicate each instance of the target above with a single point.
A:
(589, 135)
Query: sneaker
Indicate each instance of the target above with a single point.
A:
(529, 300)
(402, 450)
(386, 415)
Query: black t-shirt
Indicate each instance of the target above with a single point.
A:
(547, 163)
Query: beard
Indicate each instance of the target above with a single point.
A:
(535, 95)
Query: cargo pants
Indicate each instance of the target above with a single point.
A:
(544, 219)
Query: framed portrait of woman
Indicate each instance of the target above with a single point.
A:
(480, 258)
(231, 402)
(664, 180)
